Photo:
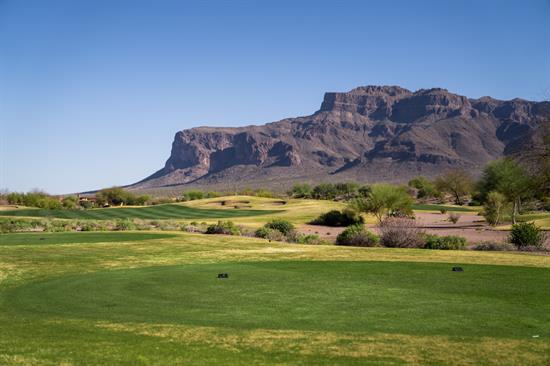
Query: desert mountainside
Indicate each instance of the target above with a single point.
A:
(371, 133)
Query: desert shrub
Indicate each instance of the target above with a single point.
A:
(192, 195)
(356, 235)
(91, 225)
(449, 242)
(283, 226)
(453, 217)
(399, 232)
(443, 211)
(223, 227)
(17, 225)
(302, 190)
(493, 208)
(526, 234)
(265, 193)
(168, 225)
(263, 232)
(142, 224)
(324, 191)
(493, 246)
(124, 224)
(191, 228)
(274, 234)
(117, 196)
(309, 239)
(346, 217)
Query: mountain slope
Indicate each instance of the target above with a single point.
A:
(372, 133)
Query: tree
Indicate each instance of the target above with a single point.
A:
(192, 195)
(117, 196)
(510, 179)
(456, 182)
(346, 190)
(493, 208)
(425, 188)
(364, 191)
(301, 190)
(70, 202)
(324, 191)
(383, 200)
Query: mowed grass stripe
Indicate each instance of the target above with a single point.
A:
(169, 211)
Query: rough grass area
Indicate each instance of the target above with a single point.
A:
(158, 301)
(168, 211)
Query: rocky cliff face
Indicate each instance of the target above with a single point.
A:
(370, 133)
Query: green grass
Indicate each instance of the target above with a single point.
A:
(157, 301)
(168, 211)
(433, 207)
(314, 296)
(77, 237)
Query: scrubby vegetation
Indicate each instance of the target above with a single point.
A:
(401, 232)
(449, 242)
(223, 227)
(385, 200)
(283, 226)
(527, 234)
(337, 218)
(493, 246)
(33, 199)
(357, 235)
(117, 196)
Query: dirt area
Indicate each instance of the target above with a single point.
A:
(470, 226)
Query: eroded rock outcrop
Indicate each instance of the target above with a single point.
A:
(370, 133)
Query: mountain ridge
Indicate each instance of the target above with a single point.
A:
(370, 133)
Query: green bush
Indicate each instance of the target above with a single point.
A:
(356, 235)
(271, 234)
(223, 227)
(263, 232)
(283, 226)
(308, 239)
(450, 242)
(124, 224)
(526, 234)
(192, 195)
(494, 207)
(336, 218)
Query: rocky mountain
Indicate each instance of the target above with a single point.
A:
(371, 133)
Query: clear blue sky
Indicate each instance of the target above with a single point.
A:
(92, 92)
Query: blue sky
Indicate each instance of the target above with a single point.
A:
(92, 92)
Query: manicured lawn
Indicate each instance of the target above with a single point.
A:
(168, 211)
(77, 237)
(433, 207)
(392, 297)
(158, 301)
